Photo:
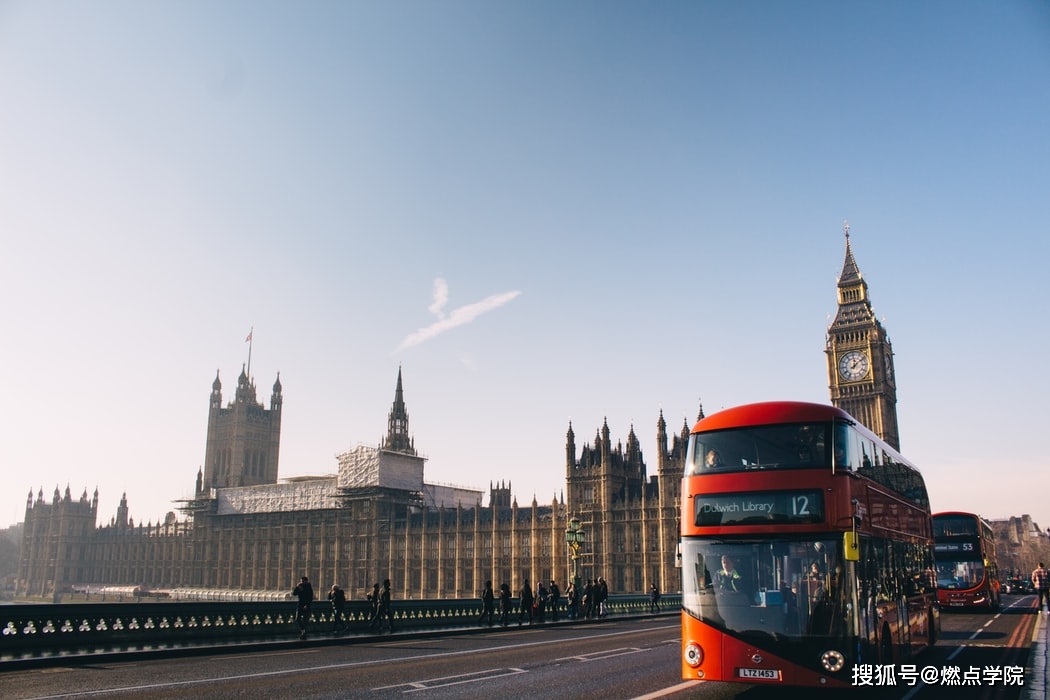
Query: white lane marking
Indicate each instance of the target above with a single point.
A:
(663, 692)
(459, 679)
(604, 654)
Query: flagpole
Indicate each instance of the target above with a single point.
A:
(249, 339)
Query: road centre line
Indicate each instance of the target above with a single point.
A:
(459, 679)
(670, 690)
(605, 654)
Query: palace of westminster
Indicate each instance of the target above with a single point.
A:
(378, 518)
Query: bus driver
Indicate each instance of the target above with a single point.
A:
(728, 576)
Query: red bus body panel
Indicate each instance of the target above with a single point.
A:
(769, 413)
(724, 656)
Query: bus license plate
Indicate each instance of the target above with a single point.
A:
(769, 674)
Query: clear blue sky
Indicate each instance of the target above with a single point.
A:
(609, 209)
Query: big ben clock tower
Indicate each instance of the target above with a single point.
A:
(860, 357)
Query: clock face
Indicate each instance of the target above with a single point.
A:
(853, 365)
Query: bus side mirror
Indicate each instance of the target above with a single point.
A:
(850, 550)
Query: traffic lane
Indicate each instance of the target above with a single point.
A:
(615, 655)
(982, 649)
(969, 640)
(620, 666)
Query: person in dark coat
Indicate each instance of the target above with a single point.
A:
(337, 598)
(488, 600)
(525, 603)
(555, 594)
(385, 608)
(504, 604)
(373, 600)
(304, 592)
(602, 595)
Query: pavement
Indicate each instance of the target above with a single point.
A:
(1037, 672)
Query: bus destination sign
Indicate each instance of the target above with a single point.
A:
(954, 547)
(758, 508)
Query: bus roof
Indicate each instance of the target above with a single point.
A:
(770, 412)
(958, 514)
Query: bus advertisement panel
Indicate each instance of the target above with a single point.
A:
(967, 571)
(806, 549)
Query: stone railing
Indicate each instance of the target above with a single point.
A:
(59, 631)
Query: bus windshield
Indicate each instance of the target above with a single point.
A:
(955, 575)
(757, 589)
(782, 446)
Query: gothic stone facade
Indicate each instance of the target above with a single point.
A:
(376, 519)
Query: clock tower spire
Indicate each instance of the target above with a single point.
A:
(860, 356)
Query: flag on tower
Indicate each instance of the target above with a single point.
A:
(249, 338)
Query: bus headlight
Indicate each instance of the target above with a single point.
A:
(693, 654)
(832, 660)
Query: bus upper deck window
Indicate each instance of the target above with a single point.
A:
(843, 447)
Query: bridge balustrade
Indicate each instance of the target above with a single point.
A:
(34, 630)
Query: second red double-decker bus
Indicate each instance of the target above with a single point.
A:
(806, 549)
(967, 572)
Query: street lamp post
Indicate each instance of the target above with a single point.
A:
(574, 537)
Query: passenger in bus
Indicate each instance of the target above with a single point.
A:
(728, 577)
(713, 460)
(814, 584)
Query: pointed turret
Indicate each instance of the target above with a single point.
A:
(276, 398)
(216, 392)
(606, 447)
(397, 438)
(570, 449)
(661, 444)
(854, 305)
(245, 388)
(122, 512)
(850, 272)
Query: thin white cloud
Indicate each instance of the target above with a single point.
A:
(457, 317)
(440, 298)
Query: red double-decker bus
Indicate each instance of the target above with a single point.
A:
(807, 549)
(967, 571)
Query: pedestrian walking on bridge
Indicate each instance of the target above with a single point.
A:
(304, 593)
(373, 601)
(1041, 582)
(338, 599)
(385, 608)
(504, 604)
(488, 603)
